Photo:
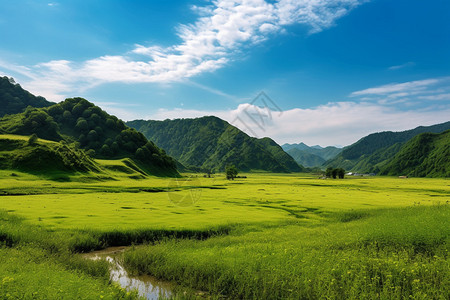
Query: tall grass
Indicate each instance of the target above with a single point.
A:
(367, 258)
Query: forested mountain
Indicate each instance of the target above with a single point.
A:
(92, 129)
(305, 158)
(210, 143)
(370, 153)
(313, 156)
(14, 99)
(426, 155)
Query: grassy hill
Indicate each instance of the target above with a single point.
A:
(426, 155)
(14, 99)
(209, 143)
(42, 156)
(370, 153)
(98, 133)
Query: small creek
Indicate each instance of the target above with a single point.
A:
(147, 286)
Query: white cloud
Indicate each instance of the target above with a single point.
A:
(341, 123)
(402, 66)
(394, 93)
(223, 30)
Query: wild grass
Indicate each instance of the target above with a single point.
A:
(267, 236)
(337, 260)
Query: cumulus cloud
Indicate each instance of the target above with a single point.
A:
(224, 29)
(341, 123)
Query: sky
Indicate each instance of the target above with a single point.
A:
(322, 72)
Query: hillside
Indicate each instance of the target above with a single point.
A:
(313, 156)
(209, 143)
(370, 153)
(426, 155)
(42, 156)
(306, 159)
(98, 133)
(14, 99)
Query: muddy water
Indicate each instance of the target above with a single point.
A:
(147, 286)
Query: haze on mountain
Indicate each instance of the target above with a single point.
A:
(314, 156)
(210, 143)
(371, 153)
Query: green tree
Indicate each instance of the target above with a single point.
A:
(329, 172)
(334, 173)
(231, 172)
(341, 173)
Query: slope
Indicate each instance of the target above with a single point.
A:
(306, 159)
(94, 130)
(369, 153)
(313, 156)
(209, 143)
(14, 99)
(426, 155)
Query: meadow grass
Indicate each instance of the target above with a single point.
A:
(267, 236)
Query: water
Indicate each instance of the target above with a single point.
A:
(147, 286)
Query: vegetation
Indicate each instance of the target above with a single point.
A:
(231, 172)
(268, 236)
(335, 172)
(76, 120)
(14, 99)
(426, 155)
(210, 143)
(370, 153)
(311, 157)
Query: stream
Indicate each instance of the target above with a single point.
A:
(147, 286)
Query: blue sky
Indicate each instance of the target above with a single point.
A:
(335, 70)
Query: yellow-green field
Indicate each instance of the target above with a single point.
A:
(264, 236)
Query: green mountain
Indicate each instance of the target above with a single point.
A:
(372, 152)
(14, 99)
(304, 158)
(313, 156)
(210, 143)
(426, 155)
(101, 135)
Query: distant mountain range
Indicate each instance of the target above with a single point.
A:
(210, 143)
(314, 156)
(375, 151)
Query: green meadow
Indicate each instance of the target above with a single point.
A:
(267, 236)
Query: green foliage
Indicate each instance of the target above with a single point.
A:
(335, 172)
(210, 143)
(42, 156)
(14, 99)
(98, 133)
(231, 172)
(426, 155)
(370, 153)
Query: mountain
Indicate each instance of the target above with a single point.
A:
(210, 143)
(304, 158)
(101, 135)
(313, 156)
(426, 155)
(14, 99)
(372, 152)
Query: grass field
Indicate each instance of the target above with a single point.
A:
(267, 236)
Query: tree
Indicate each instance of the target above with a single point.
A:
(231, 171)
(334, 173)
(341, 173)
(328, 172)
